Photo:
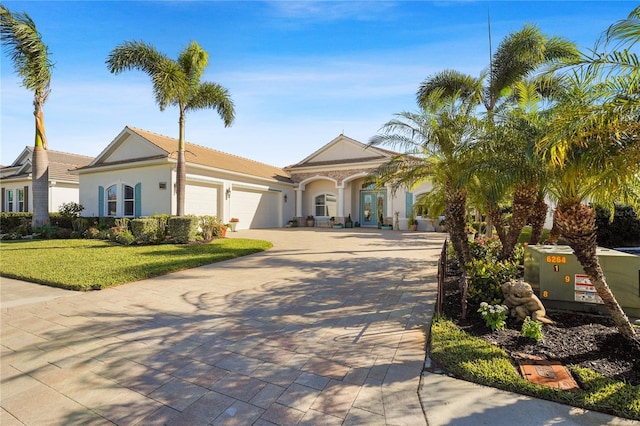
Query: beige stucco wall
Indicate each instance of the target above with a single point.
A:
(154, 199)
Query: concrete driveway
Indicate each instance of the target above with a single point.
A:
(328, 327)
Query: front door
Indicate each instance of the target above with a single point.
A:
(372, 207)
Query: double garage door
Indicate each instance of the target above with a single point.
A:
(255, 209)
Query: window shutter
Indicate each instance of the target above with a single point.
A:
(138, 200)
(408, 203)
(100, 201)
(26, 198)
(3, 201)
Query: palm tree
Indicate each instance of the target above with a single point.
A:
(31, 62)
(596, 152)
(175, 83)
(518, 55)
(433, 142)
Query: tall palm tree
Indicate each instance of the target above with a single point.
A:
(175, 83)
(434, 142)
(518, 55)
(31, 62)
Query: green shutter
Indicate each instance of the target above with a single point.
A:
(100, 201)
(408, 203)
(138, 200)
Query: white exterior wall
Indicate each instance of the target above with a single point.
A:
(154, 200)
(312, 190)
(60, 193)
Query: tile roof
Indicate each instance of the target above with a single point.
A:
(201, 155)
(59, 165)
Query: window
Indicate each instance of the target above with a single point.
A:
(326, 205)
(129, 200)
(9, 200)
(20, 200)
(112, 200)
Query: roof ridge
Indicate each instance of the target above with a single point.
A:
(209, 148)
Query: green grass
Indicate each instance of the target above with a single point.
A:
(475, 360)
(95, 264)
(525, 235)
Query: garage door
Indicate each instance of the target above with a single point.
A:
(201, 200)
(256, 209)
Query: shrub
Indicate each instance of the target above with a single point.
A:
(163, 226)
(183, 229)
(531, 329)
(57, 219)
(623, 231)
(63, 233)
(45, 232)
(91, 233)
(485, 248)
(80, 224)
(125, 238)
(209, 227)
(485, 278)
(494, 316)
(10, 221)
(70, 209)
(145, 230)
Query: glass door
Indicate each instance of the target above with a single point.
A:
(372, 207)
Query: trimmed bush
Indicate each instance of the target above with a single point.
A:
(10, 221)
(485, 278)
(145, 230)
(125, 238)
(183, 229)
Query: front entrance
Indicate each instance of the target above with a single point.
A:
(372, 207)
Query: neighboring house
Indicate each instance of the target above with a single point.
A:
(331, 182)
(15, 181)
(136, 174)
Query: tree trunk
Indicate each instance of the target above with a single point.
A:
(494, 213)
(577, 223)
(537, 218)
(181, 170)
(523, 200)
(455, 211)
(40, 171)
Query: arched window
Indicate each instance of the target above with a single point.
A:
(326, 205)
(112, 200)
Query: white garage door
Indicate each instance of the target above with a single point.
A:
(256, 209)
(201, 200)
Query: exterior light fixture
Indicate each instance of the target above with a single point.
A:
(285, 198)
(227, 193)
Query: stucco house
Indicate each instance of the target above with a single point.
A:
(135, 175)
(15, 180)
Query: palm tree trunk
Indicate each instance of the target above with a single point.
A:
(181, 171)
(494, 213)
(455, 211)
(577, 223)
(537, 218)
(40, 171)
(523, 199)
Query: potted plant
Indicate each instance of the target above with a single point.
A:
(337, 225)
(233, 222)
(292, 223)
(348, 223)
(471, 232)
(310, 221)
(412, 223)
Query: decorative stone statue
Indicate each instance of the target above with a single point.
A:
(522, 303)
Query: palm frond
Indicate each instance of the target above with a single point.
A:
(212, 95)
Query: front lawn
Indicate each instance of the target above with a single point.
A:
(97, 264)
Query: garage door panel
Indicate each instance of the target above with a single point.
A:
(255, 209)
(201, 200)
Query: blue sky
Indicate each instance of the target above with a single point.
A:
(300, 73)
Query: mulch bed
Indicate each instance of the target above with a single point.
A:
(590, 341)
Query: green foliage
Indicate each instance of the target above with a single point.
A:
(473, 359)
(145, 230)
(90, 264)
(622, 231)
(10, 221)
(485, 278)
(45, 232)
(209, 227)
(494, 316)
(60, 220)
(70, 209)
(485, 248)
(531, 329)
(125, 238)
(183, 229)
(80, 224)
